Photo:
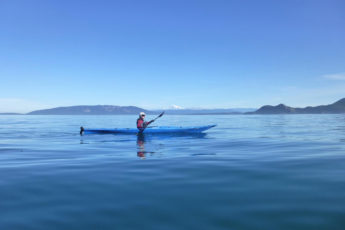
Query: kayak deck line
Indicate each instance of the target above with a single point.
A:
(149, 130)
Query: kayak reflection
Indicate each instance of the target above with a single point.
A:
(146, 139)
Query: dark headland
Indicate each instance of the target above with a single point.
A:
(335, 108)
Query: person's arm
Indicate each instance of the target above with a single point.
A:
(147, 123)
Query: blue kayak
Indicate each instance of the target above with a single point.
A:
(149, 130)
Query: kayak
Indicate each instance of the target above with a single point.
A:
(149, 130)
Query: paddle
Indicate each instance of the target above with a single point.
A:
(160, 115)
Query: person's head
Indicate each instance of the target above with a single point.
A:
(142, 115)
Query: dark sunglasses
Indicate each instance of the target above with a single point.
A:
(143, 115)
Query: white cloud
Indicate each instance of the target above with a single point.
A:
(18, 105)
(337, 76)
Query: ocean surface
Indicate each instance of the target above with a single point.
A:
(249, 172)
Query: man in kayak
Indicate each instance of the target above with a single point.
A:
(141, 123)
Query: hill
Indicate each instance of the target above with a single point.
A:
(89, 110)
(336, 107)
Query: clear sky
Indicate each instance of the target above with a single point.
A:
(155, 54)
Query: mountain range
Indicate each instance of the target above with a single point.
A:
(117, 110)
(90, 110)
(335, 108)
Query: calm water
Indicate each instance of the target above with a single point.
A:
(250, 172)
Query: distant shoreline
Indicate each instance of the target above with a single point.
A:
(204, 114)
(337, 107)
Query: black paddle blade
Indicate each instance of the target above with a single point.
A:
(161, 114)
(81, 130)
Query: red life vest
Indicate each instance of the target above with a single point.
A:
(140, 123)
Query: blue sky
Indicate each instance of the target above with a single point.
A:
(155, 54)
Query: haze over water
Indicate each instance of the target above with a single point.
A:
(249, 172)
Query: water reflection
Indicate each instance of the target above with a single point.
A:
(141, 146)
(143, 140)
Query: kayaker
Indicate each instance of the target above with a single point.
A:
(141, 123)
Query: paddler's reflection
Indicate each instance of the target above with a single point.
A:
(141, 146)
